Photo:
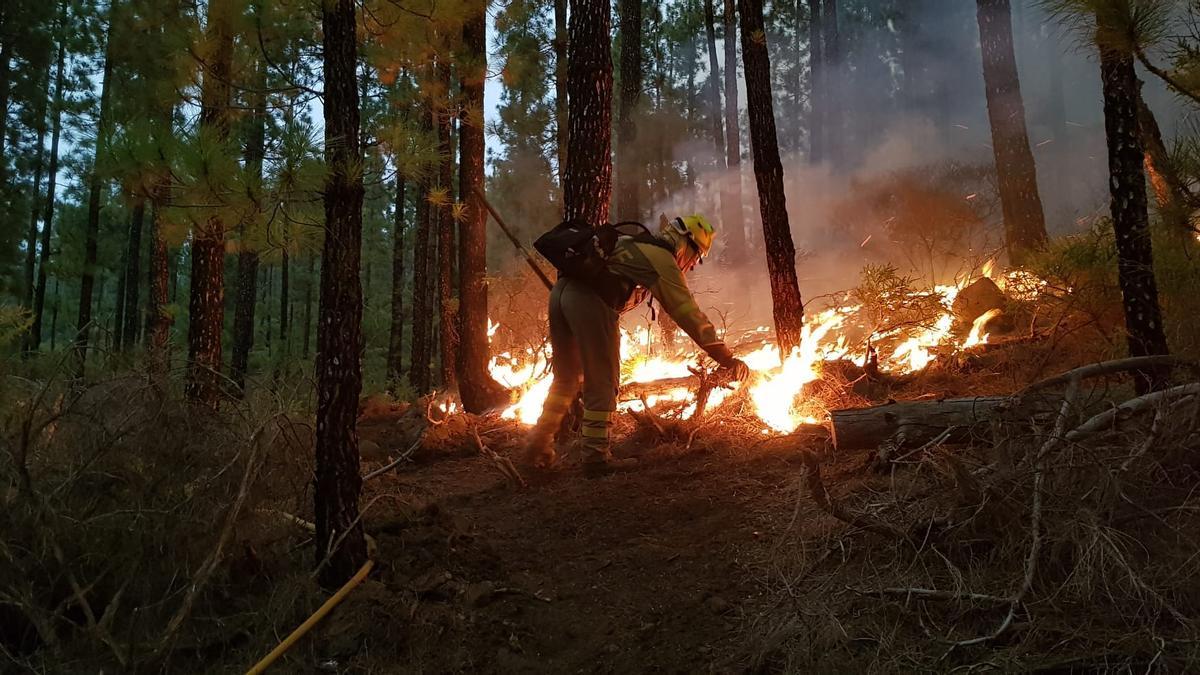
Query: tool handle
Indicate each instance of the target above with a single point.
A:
(537, 269)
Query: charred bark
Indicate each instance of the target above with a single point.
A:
(713, 87)
(1127, 187)
(587, 186)
(39, 296)
(560, 84)
(1175, 201)
(158, 319)
(87, 281)
(309, 271)
(395, 359)
(206, 300)
(788, 309)
(479, 392)
(731, 208)
(340, 546)
(285, 314)
(629, 172)
(1024, 222)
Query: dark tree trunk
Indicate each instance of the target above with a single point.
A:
(1127, 185)
(479, 392)
(310, 270)
(39, 297)
(731, 207)
(6, 50)
(118, 331)
(560, 84)
(133, 275)
(206, 301)
(92, 231)
(1024, 222)
(54, 318)
(422, 337)
(247, 259)
(587, 187)
(158, 319)
(284, 298)
(629, 173)
(395, 359)
(339, 536)
(444, 219)
(243, 316)
(833, 85)
(35, 187)
(713, 88)
(768, 173)
(816, 76)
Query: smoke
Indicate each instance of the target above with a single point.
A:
(910, 119)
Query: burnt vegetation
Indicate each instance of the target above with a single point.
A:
(272, 336)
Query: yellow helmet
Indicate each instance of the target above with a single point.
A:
(697, 229)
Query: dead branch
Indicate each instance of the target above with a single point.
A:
(934, 594)
(404, 457)
(1104, 368)
(504, 464)
(1131, 407)
(821, 496)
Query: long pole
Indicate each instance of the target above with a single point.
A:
(537, 269)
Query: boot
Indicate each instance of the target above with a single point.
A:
(539, 449)
(598, 462)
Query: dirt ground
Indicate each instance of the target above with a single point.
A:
(656, 570)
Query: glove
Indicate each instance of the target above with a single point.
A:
(737, 370)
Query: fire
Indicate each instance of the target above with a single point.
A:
(775, 391)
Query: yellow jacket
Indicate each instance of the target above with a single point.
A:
(654, 269)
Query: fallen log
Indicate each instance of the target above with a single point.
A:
(912, 423)
(633, 391)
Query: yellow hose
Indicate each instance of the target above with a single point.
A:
(311, 621)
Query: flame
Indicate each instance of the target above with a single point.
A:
(775, 391)
(975, 337)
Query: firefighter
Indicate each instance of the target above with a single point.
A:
(585, 335)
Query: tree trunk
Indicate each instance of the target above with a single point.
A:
(118, 331)
(914, 423)
(1024, 222)
(1127, 186)
(834, 72)
(447, 319)
(816, 74)
(92, 231)
(788, 308)
(1175, 201)
(54, 318)
(206, 301)
(284, 298)
(479, 392)
(422, 348)
(714, 83)
(395, 359)
(587, 187)
(35, 187)
(560, 84)
(629, 173)
(247, 259)
(339, 536)
(6, 50)
(133, 275)
(39, 297)
(310, 270)
(731, 208)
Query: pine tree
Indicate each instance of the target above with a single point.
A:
(206, 301)
(396, 332)
(587, 186)
(560, 85)
(248, 256)
(768, 173)
(629, 174)
(731, 209)
(479, 392)
(339, 534)
(442, 202)
(39, 298)
(1024, 223)
(1127, 186)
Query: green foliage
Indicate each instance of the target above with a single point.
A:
(14, 321)
(891, 300)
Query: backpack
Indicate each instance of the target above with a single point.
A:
(581, 252)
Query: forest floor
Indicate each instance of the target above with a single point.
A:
(658, 569)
